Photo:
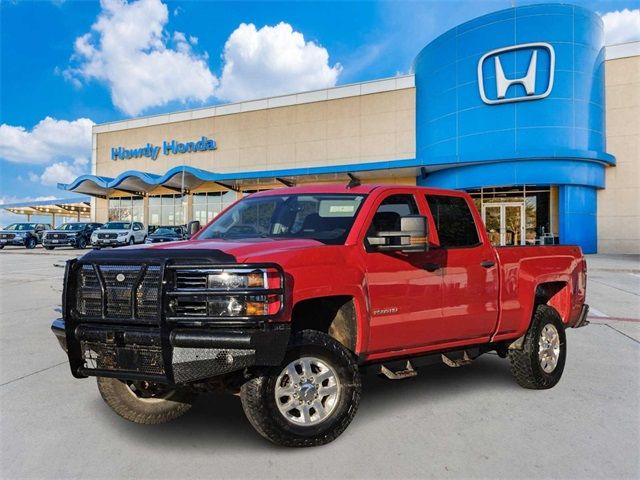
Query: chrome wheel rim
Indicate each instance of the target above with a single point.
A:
(307, 391)
(549, 348)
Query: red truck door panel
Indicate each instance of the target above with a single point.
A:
(469, 269)
(404, 295)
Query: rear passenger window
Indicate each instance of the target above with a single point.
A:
(454, 221)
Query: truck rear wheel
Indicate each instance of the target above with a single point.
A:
(540, 363)
(310, 399)
(144, 402)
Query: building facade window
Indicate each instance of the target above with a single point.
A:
(207, 205)
(167, 210)
(126, 209)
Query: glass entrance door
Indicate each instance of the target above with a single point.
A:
(505, 223)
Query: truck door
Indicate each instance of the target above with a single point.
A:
(469, 270)
(404, 288)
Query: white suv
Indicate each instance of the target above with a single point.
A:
(114, 234)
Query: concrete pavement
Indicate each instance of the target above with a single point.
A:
(471, 422)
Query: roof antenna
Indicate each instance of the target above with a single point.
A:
(354, 182)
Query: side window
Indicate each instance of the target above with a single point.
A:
(387, 217)
(454, 221)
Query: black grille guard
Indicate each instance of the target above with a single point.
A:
(163, 330)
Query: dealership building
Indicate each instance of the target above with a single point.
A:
(524, 108)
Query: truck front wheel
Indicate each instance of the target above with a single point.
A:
(144, 402)
(310, 399)
(540, 363)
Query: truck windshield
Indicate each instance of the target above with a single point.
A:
(326, 218)
(71, 226)
(22, 226)
(116, 226)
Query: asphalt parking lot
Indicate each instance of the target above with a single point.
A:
(470, 422)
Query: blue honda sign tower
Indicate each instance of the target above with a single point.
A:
(516, 97)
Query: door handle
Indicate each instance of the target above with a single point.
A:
(487, 263)
(431, 267)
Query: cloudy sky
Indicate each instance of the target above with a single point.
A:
(66, 65)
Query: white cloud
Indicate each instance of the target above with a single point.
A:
(64, 172)
(621, 26)
(128, 50)
(49, 140)
(272, 61)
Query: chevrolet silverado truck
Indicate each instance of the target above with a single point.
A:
(289, 294)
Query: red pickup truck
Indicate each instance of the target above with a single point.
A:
(288, 294)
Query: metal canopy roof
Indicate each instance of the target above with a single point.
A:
(59, 206)
(186, 178)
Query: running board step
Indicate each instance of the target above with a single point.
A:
(408, 372)
(465, 360)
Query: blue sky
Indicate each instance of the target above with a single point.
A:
(68, 64)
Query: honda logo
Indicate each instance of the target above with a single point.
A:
(528, 81)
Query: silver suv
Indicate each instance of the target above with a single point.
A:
(115, 234)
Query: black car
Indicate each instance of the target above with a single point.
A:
(74, 234)
(23, 234)
(167, 234)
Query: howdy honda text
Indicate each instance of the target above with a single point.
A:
(168, 148)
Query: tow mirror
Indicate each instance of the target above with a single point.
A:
(412, 237)
(193, 228)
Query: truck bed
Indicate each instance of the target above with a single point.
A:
(554, 274)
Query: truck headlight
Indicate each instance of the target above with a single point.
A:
(240, 292)
(231, 280)
(123, 234)
(239, 306)
(94, 237)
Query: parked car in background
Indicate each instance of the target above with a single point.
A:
(117, 234)
(26, 235)
(72, 234)
(167, 234)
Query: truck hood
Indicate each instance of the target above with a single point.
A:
(243, 251)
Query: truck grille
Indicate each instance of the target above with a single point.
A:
(191, 279)
(119, 292)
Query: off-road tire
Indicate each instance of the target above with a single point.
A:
(31, 243)
(525, 363)
(124, 402)
(259, 403)
(49, 248)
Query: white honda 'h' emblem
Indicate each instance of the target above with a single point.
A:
(528, 81)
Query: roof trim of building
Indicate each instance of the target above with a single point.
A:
(622, 50)
(342, 91)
